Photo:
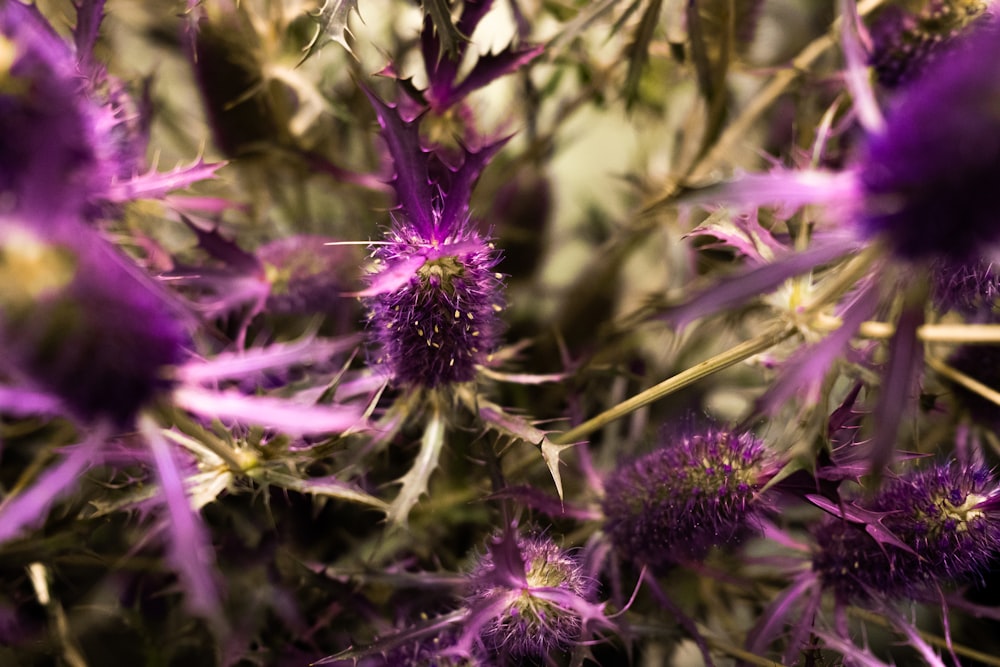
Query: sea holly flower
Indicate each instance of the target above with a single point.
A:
(73, 140)
(697, 491)
(526, 600)
(904, 42)
(434, 296)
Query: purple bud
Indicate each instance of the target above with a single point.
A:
(442, 319)
(929, 179)
(306, 275)
(694, 493)
(77, 321)
(535, 593)
(946, 533)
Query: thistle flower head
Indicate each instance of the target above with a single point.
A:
(928, 180)
(935, 526)
(904, 42)
(679, 501)
(434, 296)
(970, 289)
(78, 322)
(533, 594)
(60, 149)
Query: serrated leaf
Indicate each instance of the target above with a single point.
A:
(449, 38)
(521, 429)
(415, 481)
(332, 26)
(328, 486)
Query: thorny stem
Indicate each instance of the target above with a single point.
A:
(771, 337)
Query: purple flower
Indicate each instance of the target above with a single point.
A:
(928, 180)
(434, 296)
(935, 526)
(696, 492)
(78, 321)
(970, 289)
(527, 595)
(51, 157)
(905, 43)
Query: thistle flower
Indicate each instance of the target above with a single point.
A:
(50, 158)
(696, 492)
(938, 157)
(904, 43)
(434, 297)
(73, 140)
(970, 289)
(528, 597)
(927, 528)
(77, 321)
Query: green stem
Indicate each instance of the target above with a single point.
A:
(771, 337)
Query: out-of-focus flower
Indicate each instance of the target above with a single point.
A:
(77, 321)
(942, 527)
(695, 492)
(904, 43)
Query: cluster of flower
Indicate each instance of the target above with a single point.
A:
(154, 370)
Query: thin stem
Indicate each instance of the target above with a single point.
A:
(966, 334)
(771, 337)
(928, 637)
(961, 378)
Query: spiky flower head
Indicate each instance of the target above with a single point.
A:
(928, 179)
(62, 147)
(970, 289)
(905, 42)
(927, 528)
(695, 492)
(528, 597)
(77, 321)
(434, 295)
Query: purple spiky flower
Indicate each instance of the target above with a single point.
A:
(695, 492)
(928, 179)
(77, 321)
(528, 597)
(434, 296)
(927, 528)
(50, 154)
(904, 43)
(970, 289)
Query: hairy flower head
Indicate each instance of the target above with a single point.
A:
(905, 42)
(695, 492)
(934, 526)
(77, 321)
(528, 597)
(434, 296)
